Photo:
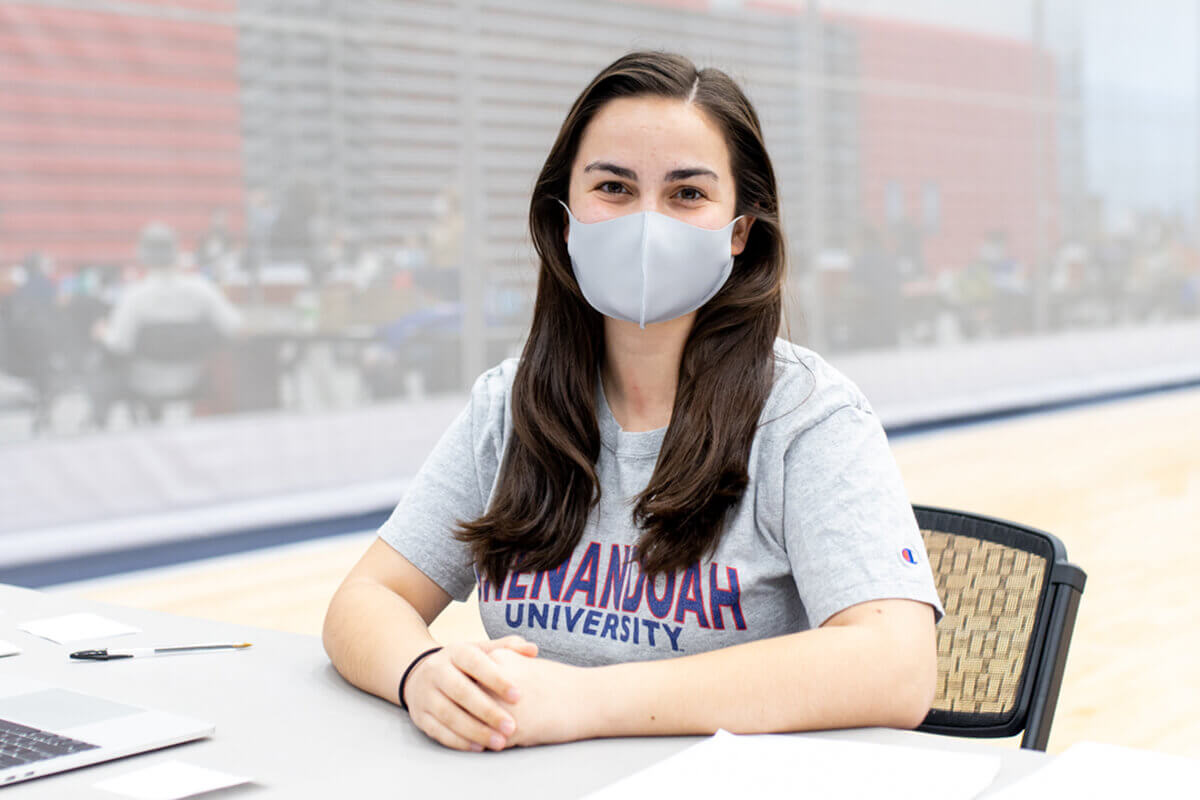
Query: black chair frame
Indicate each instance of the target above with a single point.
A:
(1046, 655)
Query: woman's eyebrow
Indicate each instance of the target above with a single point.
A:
(673, 175)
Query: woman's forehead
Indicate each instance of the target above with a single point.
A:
(652, 136)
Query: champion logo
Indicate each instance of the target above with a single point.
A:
(908, 557)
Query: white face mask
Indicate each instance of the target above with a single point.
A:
(648, 267)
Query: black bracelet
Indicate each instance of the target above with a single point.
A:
(415, 661)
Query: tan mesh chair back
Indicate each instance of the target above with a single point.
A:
(1002, 586)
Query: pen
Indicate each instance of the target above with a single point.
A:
(110, 654)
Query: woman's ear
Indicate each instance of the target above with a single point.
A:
(741, 232)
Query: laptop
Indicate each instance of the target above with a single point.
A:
(46, 729)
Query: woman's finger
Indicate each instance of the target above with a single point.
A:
(464, 725)
(476, 664)
(436, 730)
(461, 690)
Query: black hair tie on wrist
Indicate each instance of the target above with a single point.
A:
(404, 679)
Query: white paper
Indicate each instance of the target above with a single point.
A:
(168, 781)
(8, 649)
(77, 627)
(1091, 769)
(728, 765)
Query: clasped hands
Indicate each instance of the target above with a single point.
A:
(495, 694)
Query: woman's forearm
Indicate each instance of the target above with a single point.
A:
(831, 677)
(371, 635)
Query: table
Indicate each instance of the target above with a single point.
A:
(286, 718)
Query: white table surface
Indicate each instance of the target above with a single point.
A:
(285, 718)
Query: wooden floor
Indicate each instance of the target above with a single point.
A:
(1118, 482)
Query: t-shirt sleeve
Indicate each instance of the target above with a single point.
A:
(849, 528)
(445, 490)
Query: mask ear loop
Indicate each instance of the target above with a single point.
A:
(570, 216)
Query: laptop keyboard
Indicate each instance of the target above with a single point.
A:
(20, 745)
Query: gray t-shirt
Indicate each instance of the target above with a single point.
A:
(824, 523)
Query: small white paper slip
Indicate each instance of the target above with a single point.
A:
(1092, 769)
(169, 781)
(8, 649)
(729, 765)
(77, 627)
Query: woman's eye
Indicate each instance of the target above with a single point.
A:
(687, 193)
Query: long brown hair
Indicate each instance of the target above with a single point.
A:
(548, 483)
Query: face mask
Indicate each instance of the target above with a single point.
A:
(648, 267)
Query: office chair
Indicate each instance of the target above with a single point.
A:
(1011, 598)
(176, 351)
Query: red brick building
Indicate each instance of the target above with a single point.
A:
(110, 120)
(954, 135)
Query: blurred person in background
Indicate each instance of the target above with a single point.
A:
(1189, 260)
(1111, 256)
(1182, 279)
(973, 293)
(298, 235)
(86, 309)
(1011, 298)
(993, 292)
(216, 245)
(163, 327)
(446, 234)
(412, 253)
(1149, 275)
(1069, 287)
(438, 259)
(261, 214)
(29, 315)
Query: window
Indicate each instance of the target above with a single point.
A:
(893, 202)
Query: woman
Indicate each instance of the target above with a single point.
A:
(677, 521)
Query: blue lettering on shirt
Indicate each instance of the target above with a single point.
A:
(625, 587)
(586, 576)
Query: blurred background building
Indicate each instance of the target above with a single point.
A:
(963, 185)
